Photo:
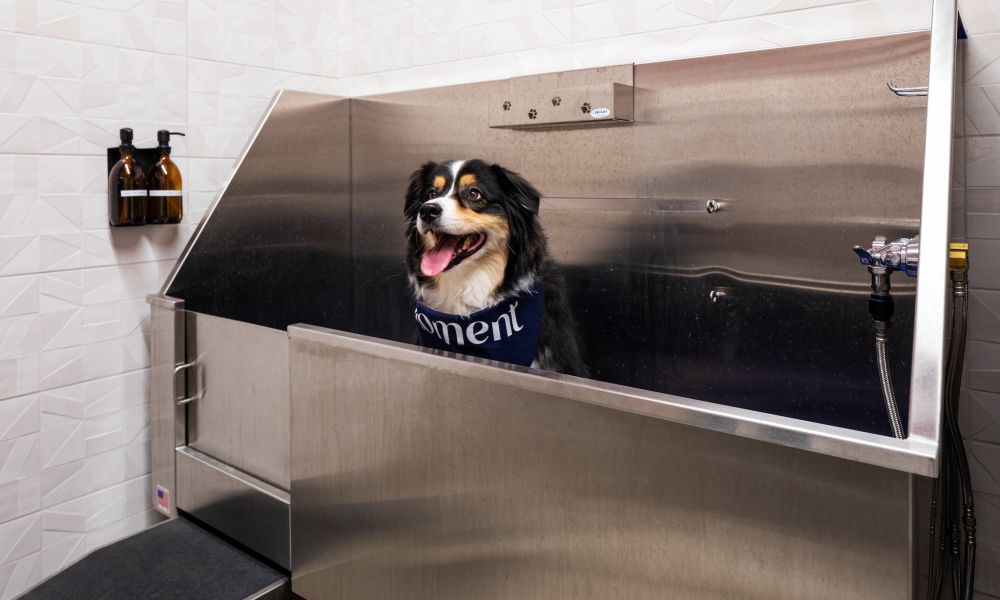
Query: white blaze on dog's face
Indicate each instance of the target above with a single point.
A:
(464, 233)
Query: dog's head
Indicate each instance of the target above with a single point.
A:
(469, 218)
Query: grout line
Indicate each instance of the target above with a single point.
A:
(95, 379)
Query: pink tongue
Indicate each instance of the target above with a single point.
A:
(439, 257)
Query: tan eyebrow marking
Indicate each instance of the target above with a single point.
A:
(468, 179)
(439, 182)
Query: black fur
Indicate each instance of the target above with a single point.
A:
(507, 194)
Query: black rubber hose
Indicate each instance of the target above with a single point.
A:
(953, 522)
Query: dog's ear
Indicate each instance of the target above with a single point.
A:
(518, 188)
(415, 190)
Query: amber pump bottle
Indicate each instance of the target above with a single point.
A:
(166, 195)
(126, 186)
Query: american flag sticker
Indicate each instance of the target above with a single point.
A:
(163, 499)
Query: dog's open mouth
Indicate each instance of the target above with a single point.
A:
(449, 250)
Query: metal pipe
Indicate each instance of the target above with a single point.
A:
(882, 358)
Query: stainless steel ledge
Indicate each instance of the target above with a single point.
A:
(913, 455)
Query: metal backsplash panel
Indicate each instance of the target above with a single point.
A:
(760, 304)
(275, 247)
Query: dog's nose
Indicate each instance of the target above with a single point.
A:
(430, 211)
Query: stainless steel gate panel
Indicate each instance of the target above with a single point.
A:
(242, 415)
(460, 479)
(246, 509)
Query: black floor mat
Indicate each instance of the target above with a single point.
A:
(173, 561)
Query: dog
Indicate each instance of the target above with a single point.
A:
(480, 271)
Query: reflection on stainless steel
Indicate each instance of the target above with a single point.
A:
(246, 509)
(799, 147)
(911, 455)
(804, 146)
(275, 246)
(280, 590)
(166, 419)
(927, 377)
(242, 379)
(457, 479)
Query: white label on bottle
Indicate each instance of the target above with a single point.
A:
(155, 193)
(133, 193)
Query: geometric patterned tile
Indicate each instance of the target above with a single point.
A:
(980, 416)
(984, 315)
(19, 575)
(19, 417)
(982, 365)
(984, 464)
(984, 263)
(20, 537)
(980, 16)
(19, 458)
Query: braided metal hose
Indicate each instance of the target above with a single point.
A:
(885, 378)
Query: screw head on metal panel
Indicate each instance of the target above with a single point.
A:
(712, 206)
(506, 105)
(532, 113)
(556, 100)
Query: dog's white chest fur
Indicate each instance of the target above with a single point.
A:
(466, 288)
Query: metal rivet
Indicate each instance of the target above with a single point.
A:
(712, 206)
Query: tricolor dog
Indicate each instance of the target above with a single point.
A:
(483, 280)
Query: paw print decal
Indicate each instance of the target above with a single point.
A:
(532, 114)
(506, 104)
(556, 101)
(585, 108)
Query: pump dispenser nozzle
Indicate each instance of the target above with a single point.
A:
(163, 138)
(125, 135)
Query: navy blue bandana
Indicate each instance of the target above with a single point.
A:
(507, 331)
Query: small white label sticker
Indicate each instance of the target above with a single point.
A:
(156, 193)
(600, 113)
(133, 193)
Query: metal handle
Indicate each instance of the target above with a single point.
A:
(177, 369)
(182, 366)
(908, 91)
(183, 401)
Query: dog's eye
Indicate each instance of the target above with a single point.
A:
(474, 194)
(433, 193)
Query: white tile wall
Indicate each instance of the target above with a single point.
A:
(981, 402)
(73, 326)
